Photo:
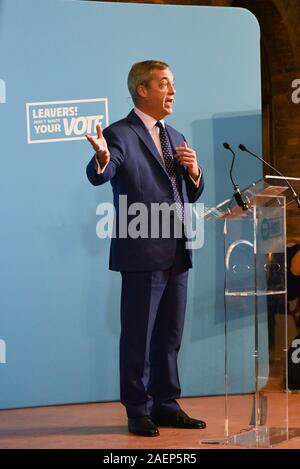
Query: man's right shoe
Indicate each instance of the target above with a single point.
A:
(142, 426)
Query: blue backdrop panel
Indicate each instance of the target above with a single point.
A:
(59, 323)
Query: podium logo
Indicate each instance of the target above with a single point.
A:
(270, 228)
(57, 121)
(2, 92)
(2, 351)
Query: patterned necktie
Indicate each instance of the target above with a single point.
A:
(171, 170)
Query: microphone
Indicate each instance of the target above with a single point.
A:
(295, 195)
(237, 193)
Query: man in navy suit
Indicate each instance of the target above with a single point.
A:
(150, 163)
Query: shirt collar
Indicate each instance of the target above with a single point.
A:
(148, 121)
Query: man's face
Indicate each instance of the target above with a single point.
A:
(157, 99)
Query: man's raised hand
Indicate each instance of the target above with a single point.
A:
(187, 157)
(100, 146)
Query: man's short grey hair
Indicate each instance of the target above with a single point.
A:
(140, 74)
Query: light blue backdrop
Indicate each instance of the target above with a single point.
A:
(59, 303)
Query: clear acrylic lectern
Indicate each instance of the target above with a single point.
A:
(256, 399)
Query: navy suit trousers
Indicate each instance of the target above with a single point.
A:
(152, 318)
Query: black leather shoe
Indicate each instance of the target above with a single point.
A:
(142, 426)
(178, 420)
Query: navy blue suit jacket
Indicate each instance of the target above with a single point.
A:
(136, 169)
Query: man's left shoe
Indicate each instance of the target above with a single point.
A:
(177, 420)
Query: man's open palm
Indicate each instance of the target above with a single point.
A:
(100, 146)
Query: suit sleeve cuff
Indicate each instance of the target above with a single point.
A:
(98, 168)
(196, 182)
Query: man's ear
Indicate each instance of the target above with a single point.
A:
(141, 91)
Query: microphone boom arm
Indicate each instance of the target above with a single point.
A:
(237, 193)
(295, 195)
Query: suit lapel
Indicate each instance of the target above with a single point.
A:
(175, 141)
(173, 137)
(138, 126)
